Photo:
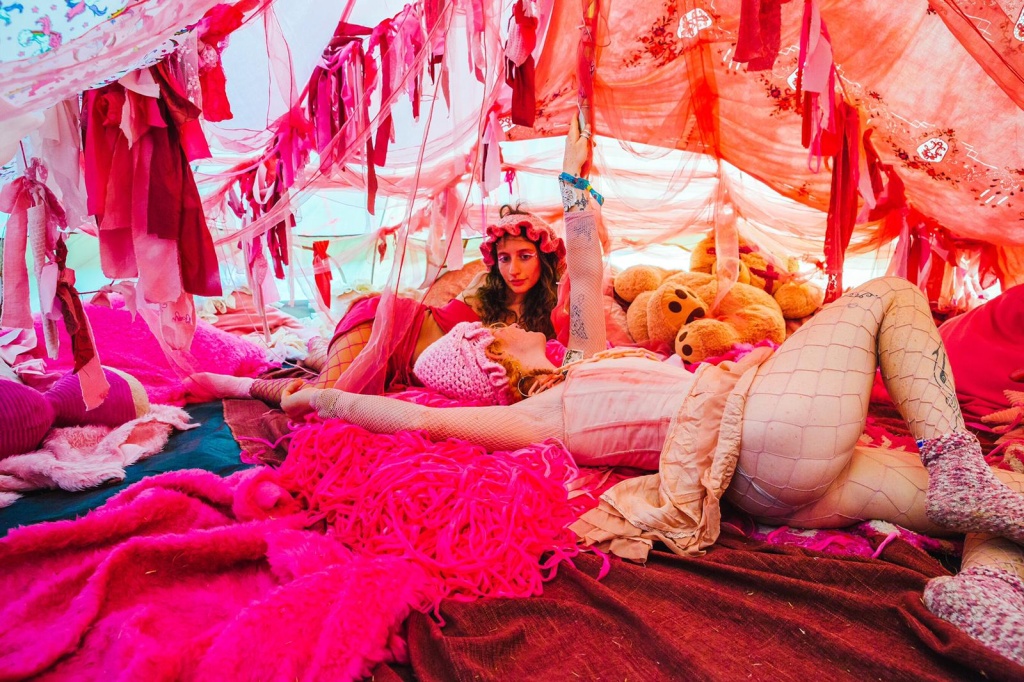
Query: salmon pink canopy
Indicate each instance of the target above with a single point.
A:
(816, 129)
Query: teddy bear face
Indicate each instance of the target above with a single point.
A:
(676, 306)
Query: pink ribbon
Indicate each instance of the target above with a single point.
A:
(30, 204)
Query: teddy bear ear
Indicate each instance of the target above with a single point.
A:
(637, 279)
(702, 257)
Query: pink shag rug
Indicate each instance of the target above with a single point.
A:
(305, 572)
(80, 457)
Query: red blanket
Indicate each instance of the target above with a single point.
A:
(746, 611)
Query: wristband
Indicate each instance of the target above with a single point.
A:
(583, 184)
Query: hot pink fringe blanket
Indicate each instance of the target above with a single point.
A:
(187, 576)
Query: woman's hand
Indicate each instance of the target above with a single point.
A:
(297, 401)
(577, 148)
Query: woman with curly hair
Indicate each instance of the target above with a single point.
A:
(520, 285)
(525, 259)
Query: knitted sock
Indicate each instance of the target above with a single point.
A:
(963, 493)
(986, 603)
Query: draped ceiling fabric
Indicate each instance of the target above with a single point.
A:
(945, 114)
(687, 138)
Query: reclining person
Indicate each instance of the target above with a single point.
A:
(775, 433)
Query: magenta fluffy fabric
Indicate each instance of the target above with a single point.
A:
(301, 573)
(130, 346)
(167, 582)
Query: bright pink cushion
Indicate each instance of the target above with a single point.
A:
(985, 345)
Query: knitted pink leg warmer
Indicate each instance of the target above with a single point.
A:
(986, 603)
(963, 493)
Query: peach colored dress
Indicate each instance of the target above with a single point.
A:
(694, 422)
(595, 412)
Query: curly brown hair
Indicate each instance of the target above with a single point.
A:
(539, 301)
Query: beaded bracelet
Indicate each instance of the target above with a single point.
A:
(583, 184)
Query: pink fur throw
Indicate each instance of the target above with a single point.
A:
(130, 346)
(79, 457)
(189, 576)
(166, 582)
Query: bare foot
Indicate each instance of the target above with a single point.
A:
(211, 386)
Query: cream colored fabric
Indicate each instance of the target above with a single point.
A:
(680, 504)
(604, 429)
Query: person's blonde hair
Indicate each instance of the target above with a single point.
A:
(520, 380)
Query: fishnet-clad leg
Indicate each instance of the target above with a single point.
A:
(271, 391)
(808, 404)
(875, 484)
(342, 351)
(800, 425)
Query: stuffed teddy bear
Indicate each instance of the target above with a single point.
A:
(797, 299)
(677, 312)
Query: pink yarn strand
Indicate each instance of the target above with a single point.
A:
(477, 523)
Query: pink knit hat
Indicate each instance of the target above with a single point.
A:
(457, 366)
(524, 225)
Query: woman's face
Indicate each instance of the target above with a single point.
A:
(518, 263)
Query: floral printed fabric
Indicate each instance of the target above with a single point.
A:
(52, 51)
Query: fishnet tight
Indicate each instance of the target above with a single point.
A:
(494, 428)
(340, 354)
(807, 408)
(808, 405)
(342, 351)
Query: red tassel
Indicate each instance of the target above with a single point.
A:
(842, 209)
(322, 270)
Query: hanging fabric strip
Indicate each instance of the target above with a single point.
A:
(83, 347)
(759, 35)
(842, 209)
(36, 214)
(520, 67)
(817, 80)
(322, 270)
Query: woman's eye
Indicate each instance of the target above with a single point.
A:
(526, 256)
(504, 259)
